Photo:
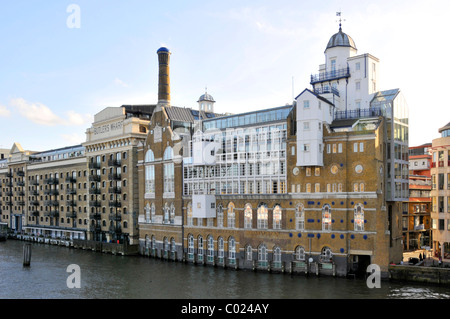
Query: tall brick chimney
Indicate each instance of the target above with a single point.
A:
(164, 76)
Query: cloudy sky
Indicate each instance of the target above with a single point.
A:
(57, 71)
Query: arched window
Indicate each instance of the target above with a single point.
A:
(169, 171)
(326, 254)
(248, 216)
(173, 246)
(231, 249)
(359, 218)
(300, 253)
(262, 255)
(277, 256)
(153, 242)
(220, 216)
(231, 216)
(277, 217)
(300, 217)
(165, 245)
(200, 248)
(220, 248)
(149, 156)
(262, 216)
(248, 253)
(168, 153)
(190, 246)
(326, 217)
(210, 254)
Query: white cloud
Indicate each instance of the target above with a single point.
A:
(4, 112)
(73, 138)
(43, 115)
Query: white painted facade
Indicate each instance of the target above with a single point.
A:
(346, 82)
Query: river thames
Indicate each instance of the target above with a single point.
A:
(105, 276)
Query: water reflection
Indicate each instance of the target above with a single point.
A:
(117, 277)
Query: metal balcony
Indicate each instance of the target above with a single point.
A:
(71, 215)
(71, 203)
(114, 163)
(94, 178)
(115, 217)
(51, 181)
(71, 191)
(330, 76)
(115, 177)
(115, 190)
(95, 203)
(94, 191)
(51, 203)
(115, 203)
(95, 216)
(71, 179)
(95, 165)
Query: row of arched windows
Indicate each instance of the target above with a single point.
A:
(262, 216)
(168, 172)
(205, 250)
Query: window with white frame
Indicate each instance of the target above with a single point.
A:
(277, 256)
(306, 104)
(277, 217)
(326, 218)
(248, 253)
(210, 253)
(300, 253)
(359, 218)
(220, 248)
(231, 217)
(220, 216)
(190, 246)
(200, 248)
(262, 216)
(231, 249)
(248, 216)
(300, 217)
(262, 255)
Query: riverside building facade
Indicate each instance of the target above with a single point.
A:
(314, 186)
(318, 185)
(440, 193)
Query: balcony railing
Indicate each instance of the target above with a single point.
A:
(71, 179)
(71, 203)
(359, 113)
(115, 203)
(115, 190)
(95, 165)
(95, 203)
(94, 178)
(51, 181)
(51, 203)
(114, 177)
(329, 76)
(114, 163)
(115, 217)
(325, 90)
(95, 216)
(94, 191)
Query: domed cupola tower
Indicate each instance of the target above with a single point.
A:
(206, 103)
(340, 47)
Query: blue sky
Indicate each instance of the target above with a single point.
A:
(250, 55)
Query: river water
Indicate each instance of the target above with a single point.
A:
(105, 276)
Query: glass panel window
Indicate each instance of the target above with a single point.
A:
(277, 217)
(262, 217)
